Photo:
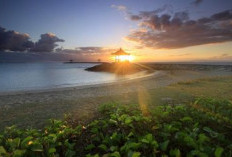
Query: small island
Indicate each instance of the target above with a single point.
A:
(121, 66)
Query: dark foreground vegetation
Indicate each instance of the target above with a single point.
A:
(199, 129)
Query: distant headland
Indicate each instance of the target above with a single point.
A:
(120, 68)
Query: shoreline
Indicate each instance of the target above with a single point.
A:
(35, 108)
(160, 78)
(76, 87)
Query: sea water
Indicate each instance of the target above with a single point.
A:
(37, 76)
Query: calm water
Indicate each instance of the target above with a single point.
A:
(35, 76)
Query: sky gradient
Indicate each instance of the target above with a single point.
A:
(87, 30)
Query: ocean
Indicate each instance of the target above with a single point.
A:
(39, 76)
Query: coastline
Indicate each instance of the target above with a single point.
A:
(34, 108)
(160, 78)
(76, 87)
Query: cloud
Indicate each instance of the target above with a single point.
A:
(46, 43)
(14, 41)
(197, 2)
(172, 31)
(135, 17)
(143, 14)
(87, 51)
(180, 55)
(222, 57)
(119, 7)
(78, 54)
(24, 50)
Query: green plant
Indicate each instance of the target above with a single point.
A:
(202, 128)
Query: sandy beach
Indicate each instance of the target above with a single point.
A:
(33, 108)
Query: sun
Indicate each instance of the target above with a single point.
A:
(124, 58)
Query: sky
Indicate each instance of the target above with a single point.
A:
(88, 30)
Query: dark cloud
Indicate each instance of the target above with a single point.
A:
(46, 43)
(90, 50)
(82, 50)
(135, 17)
(145, 14)
(34, 57)
(225, 15)
(197, 2)
(14, 41)
(87, 51)
(183, 15)
(178, 31)
(78, 54)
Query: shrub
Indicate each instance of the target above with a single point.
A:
(202, 129)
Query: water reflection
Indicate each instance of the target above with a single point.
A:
(33, 76)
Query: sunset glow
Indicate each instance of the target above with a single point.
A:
(153, 31)
(138, 78)
(124, 58)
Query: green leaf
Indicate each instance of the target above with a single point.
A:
(103, 147)
(164, 145)
(218, 152)
(17, 142)
(190, 141)
(115, 137)
(128, 120)
(51, 150)
(136, 154)
(130, 134)
(155, 144)
(175, 153)
(149, 137)
(111, 121)
(25, 143)
(90, 147)
(53, 137)
(113, 148)
(18, 153)
(2, 150)
(145, 141)
(133, 145)
(37, 147)
(202, 138)
(210, 131)
(115, 154)
(94, 130)
(197, 153)
(14, 143)
(70, 153)
(133, 154)
(186, 119)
